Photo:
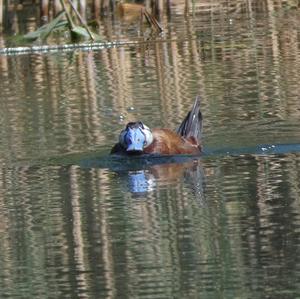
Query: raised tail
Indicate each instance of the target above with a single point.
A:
(191, 127)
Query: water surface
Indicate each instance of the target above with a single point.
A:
(77, 223)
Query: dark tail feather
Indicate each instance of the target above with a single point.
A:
(192, 124)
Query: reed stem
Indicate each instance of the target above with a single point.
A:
(44, 10)
(69, 18)
(82, 9)
(96, 8)
(57, 7)
(1, 14)
(81, 20)
(160, 7)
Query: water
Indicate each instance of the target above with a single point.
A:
(77, 223)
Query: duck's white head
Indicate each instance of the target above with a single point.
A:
(135, 137)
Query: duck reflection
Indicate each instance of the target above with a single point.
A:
(143, 181)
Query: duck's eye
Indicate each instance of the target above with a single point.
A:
(145, 140)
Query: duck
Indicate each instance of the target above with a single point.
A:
(137, 138)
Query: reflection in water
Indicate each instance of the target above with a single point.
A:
(77, 232)
(141, 182)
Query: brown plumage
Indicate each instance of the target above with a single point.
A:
(167, 142)
(137, 138)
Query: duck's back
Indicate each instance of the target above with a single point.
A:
(167, 142)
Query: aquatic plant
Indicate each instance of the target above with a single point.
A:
(61, 23)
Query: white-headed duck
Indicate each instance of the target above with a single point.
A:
(137, 138)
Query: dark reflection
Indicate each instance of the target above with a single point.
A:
(142, 181)
(260, 200)
(72, 231)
